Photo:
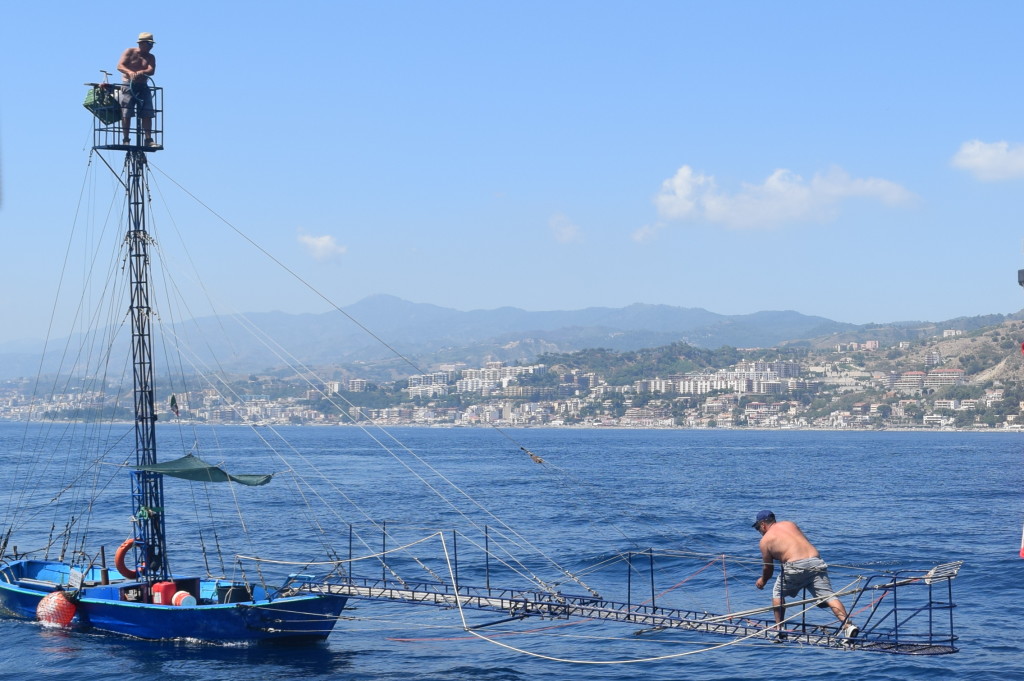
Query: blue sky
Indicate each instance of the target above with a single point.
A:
(859, 161)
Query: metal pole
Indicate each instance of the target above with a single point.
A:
(931, 612)
(651, 554)
(803, 617)
(949, 606)
(895, 615)
(384, 551)
(629, 581)
(487, 558)
(104, 573)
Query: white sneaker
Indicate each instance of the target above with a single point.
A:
(850, 631)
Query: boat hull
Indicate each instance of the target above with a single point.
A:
(301, 618)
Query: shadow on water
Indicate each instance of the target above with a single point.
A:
(273, 661)
(171, 660)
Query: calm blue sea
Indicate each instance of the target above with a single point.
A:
(883, 499)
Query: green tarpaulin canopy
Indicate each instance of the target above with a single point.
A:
(190, 467)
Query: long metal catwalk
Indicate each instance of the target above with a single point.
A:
(911, 626)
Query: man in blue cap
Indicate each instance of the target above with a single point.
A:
(801, 568)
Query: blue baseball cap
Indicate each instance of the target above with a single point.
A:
(763, 515)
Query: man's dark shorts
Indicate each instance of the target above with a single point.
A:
(136, 99)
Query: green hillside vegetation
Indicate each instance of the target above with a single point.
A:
(619, 368)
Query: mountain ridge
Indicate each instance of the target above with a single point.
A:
(371, 331)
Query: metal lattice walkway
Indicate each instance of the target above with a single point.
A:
(915, 621)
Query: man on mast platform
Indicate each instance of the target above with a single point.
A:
(136, 66)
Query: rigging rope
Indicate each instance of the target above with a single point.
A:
(520, 541)
(305, 371)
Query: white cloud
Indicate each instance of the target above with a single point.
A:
(647, 232)
(321, 247)
(564, 230)
(680, 194)
(783, 197)
(990, 161)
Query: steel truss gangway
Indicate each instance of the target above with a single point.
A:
(908, 612)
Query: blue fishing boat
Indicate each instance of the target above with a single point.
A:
(142, 597)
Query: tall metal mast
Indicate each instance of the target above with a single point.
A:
(147, 487)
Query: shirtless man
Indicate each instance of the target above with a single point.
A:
(137, 65)
(802, 567)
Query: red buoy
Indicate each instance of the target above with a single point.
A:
(1022, 552)
(56, 609)
(183, 598)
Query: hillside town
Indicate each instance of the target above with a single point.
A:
(833, 389)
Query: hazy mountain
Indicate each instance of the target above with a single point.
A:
(428, 334)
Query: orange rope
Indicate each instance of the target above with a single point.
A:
(679, 584)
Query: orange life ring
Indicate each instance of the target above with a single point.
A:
(122, 550)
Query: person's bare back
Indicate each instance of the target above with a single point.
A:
(783, 541)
